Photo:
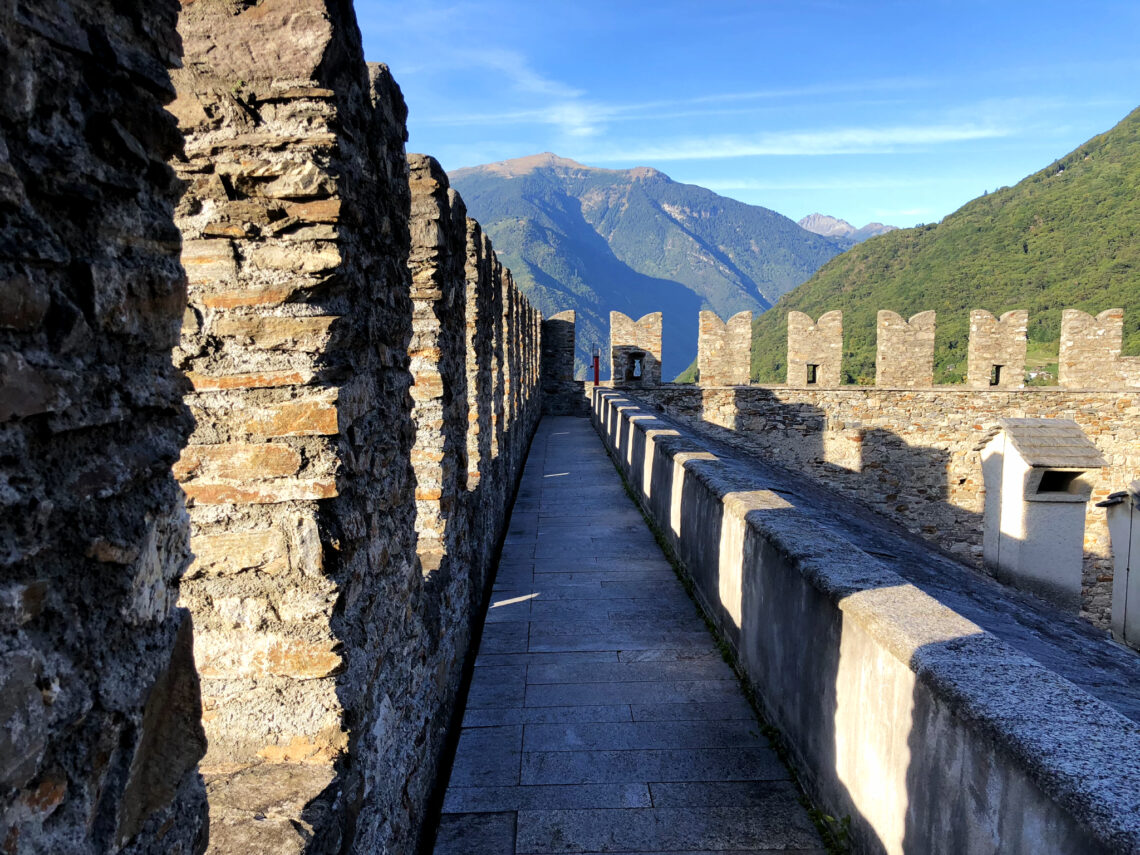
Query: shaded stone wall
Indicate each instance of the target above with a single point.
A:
(99, 700)
(1090, 352)
(329, 481)
(818, 344)
(997, 342)
(724, 349)
(297, 476)
(635, 340)
(915, 456)
(438, 356)
(562, 394)
(904, 357)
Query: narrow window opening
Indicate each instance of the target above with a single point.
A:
(812, 373)
(995, 375)
(635, 366)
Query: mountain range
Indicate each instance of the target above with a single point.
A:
(592, 240)
(1067, 236)
(841, 230)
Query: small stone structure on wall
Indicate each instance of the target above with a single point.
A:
(904, 357)
(1090, 352)
(996, 352)
(815, 349)
(635, 350)
(562, 394)
(724, 349)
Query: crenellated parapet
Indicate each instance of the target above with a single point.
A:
(1090, 352)
(815, 349)
(905, 354)
(996, 353)
(635, 350)
(724, 349)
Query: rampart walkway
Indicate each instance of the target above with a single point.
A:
(601, 717)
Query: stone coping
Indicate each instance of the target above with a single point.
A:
(1081, 752)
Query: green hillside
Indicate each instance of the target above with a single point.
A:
(635, 241)
(1067, 237)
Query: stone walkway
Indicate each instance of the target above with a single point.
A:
(601, 717)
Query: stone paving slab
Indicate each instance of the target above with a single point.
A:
(601, 716)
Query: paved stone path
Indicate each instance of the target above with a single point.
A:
(601, 717)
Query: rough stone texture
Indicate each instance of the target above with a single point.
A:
(904, 357)
(818, 344)
(724, 349)
(930, 732)
(1090, 352)
(997, 343)
(562, 394)
(632, 340)
(916, 455)
(99, 700)
(438, 360)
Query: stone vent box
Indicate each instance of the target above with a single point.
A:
(1038, 476)
(1123, 512)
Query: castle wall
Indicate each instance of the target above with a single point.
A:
(915, 456)
(100, 730)
(562, 394)
(997, 342)
(925, 731)
(724, 349)
(1090, 352)
(333, 500)
(904, 356)
(640, 340)
(815, 349)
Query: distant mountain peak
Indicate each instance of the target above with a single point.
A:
(523, 165)
(833, 227)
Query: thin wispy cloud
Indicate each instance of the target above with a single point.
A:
(799, 186)
(854, 140)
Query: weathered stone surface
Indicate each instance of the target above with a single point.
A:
(915, 456)
(330, 343)
(562, 394)
(99, 734)
(996, 353)
(635, 350)
(815, 349)
(904, 357)
(1090, 352)
(724, 349)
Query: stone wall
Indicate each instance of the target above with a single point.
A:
(1090, 352)
(904, 357)
(915, 456)
(562, 394)
(815, 349)
(635, 342)
(926, 731)
(724, 349)
(344, 515)
(996, 352)
(99, 700)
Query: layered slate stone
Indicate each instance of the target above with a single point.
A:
(815, 349)
(100, 730)
(600, 716)
(905, 350)
(724, 349)
(635, 350)
(996, 353)
(1090, 352)
(562, 394)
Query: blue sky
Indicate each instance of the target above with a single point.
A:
(887, 111)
